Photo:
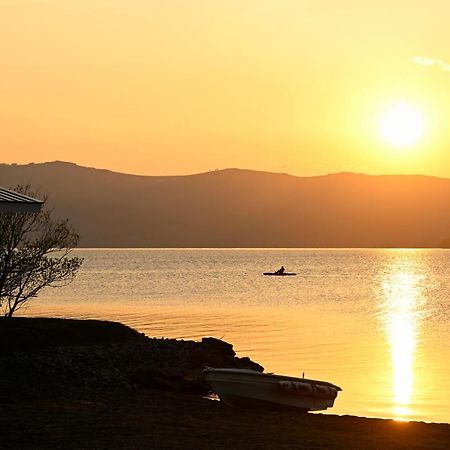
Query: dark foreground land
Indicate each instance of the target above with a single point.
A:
(100, 385)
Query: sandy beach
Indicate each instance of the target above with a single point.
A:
(106, 386)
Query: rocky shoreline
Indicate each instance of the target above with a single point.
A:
(70, 355)
(95, 384)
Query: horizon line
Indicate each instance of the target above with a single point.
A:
(56, 161)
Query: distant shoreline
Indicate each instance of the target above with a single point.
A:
(262, 248)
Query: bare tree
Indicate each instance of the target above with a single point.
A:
(34, 253)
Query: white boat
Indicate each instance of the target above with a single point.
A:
(249, 389)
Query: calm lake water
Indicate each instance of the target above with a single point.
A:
(375, 322)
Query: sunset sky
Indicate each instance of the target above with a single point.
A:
(175, 87)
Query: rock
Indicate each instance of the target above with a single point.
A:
(218, 345)
(170, 379)
(247, 363)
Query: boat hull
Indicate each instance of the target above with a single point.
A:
(250, 389)
(273, 274)
(236, 401)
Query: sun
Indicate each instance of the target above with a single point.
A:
(402, 125)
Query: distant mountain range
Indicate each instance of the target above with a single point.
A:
(242, 208)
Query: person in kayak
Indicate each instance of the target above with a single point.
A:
(280, 271)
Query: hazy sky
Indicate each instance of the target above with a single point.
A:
(170, 86)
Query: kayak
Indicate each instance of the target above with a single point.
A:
(285, 274)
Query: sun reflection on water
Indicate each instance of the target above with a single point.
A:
(404, 300)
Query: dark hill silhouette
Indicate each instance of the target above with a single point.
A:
(242, 208)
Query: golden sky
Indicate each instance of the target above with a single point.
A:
(175, 87)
